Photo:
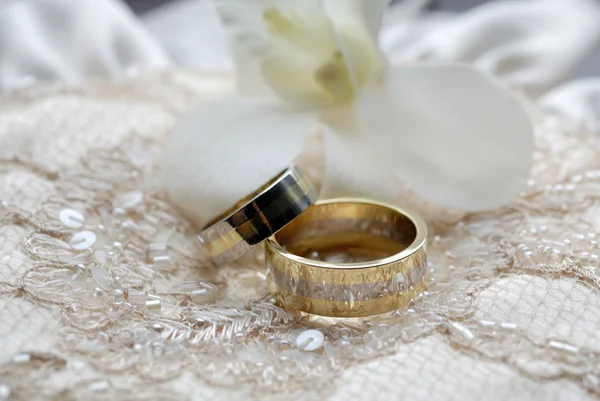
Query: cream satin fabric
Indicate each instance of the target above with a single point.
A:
(70, 41)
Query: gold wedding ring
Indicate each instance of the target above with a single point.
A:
(257, 217)
(348, 258)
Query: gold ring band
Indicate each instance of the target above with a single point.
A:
(384, 265)
(256, 217)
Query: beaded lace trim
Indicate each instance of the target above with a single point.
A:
(102, 297)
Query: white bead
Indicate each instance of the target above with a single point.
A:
(137, 298)
(100, 256)
(462, 330)
(71, 218)
(153, 302)
(83, 240)
(563, 346)
(157, 248)
(100, 386)
(4, 392)
(118, 294)
(345, 332)
(102, 277)
(189, 286)
(22, 358)
(201, 295)
(310, 340)
(161, 262)
(508, 325)
(130, 200)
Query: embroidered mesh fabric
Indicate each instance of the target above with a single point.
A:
(512, 310)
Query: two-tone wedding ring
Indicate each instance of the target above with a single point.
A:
(348, 258)
(256, 217)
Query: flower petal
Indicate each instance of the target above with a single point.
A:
(249, 77)
(356, 29)
(249, 21)
(225, 150)
(354, 168)
(578, 101)
(366, 13)
(281, 40)
(453, 133)
(531, 44)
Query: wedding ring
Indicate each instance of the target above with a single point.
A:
(348, 258)
(257, 217)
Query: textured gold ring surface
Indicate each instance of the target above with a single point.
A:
(256, 217)
(347, 258)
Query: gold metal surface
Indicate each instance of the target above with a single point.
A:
(236, 234)
(256, 217)
(385, 246)
(340, 308)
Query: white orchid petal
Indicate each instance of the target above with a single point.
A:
(225, 150)
(453, 133)
(533, 44)
(356, 28)
(364, 13)
(578, 101)
(353, 168)
(245, 22)
(284, 40)
(261, 25)
(291, 75)
(248, 37)
(249, 77)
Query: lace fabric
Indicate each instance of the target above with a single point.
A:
(102, 295)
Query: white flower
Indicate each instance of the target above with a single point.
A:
(456, 135)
